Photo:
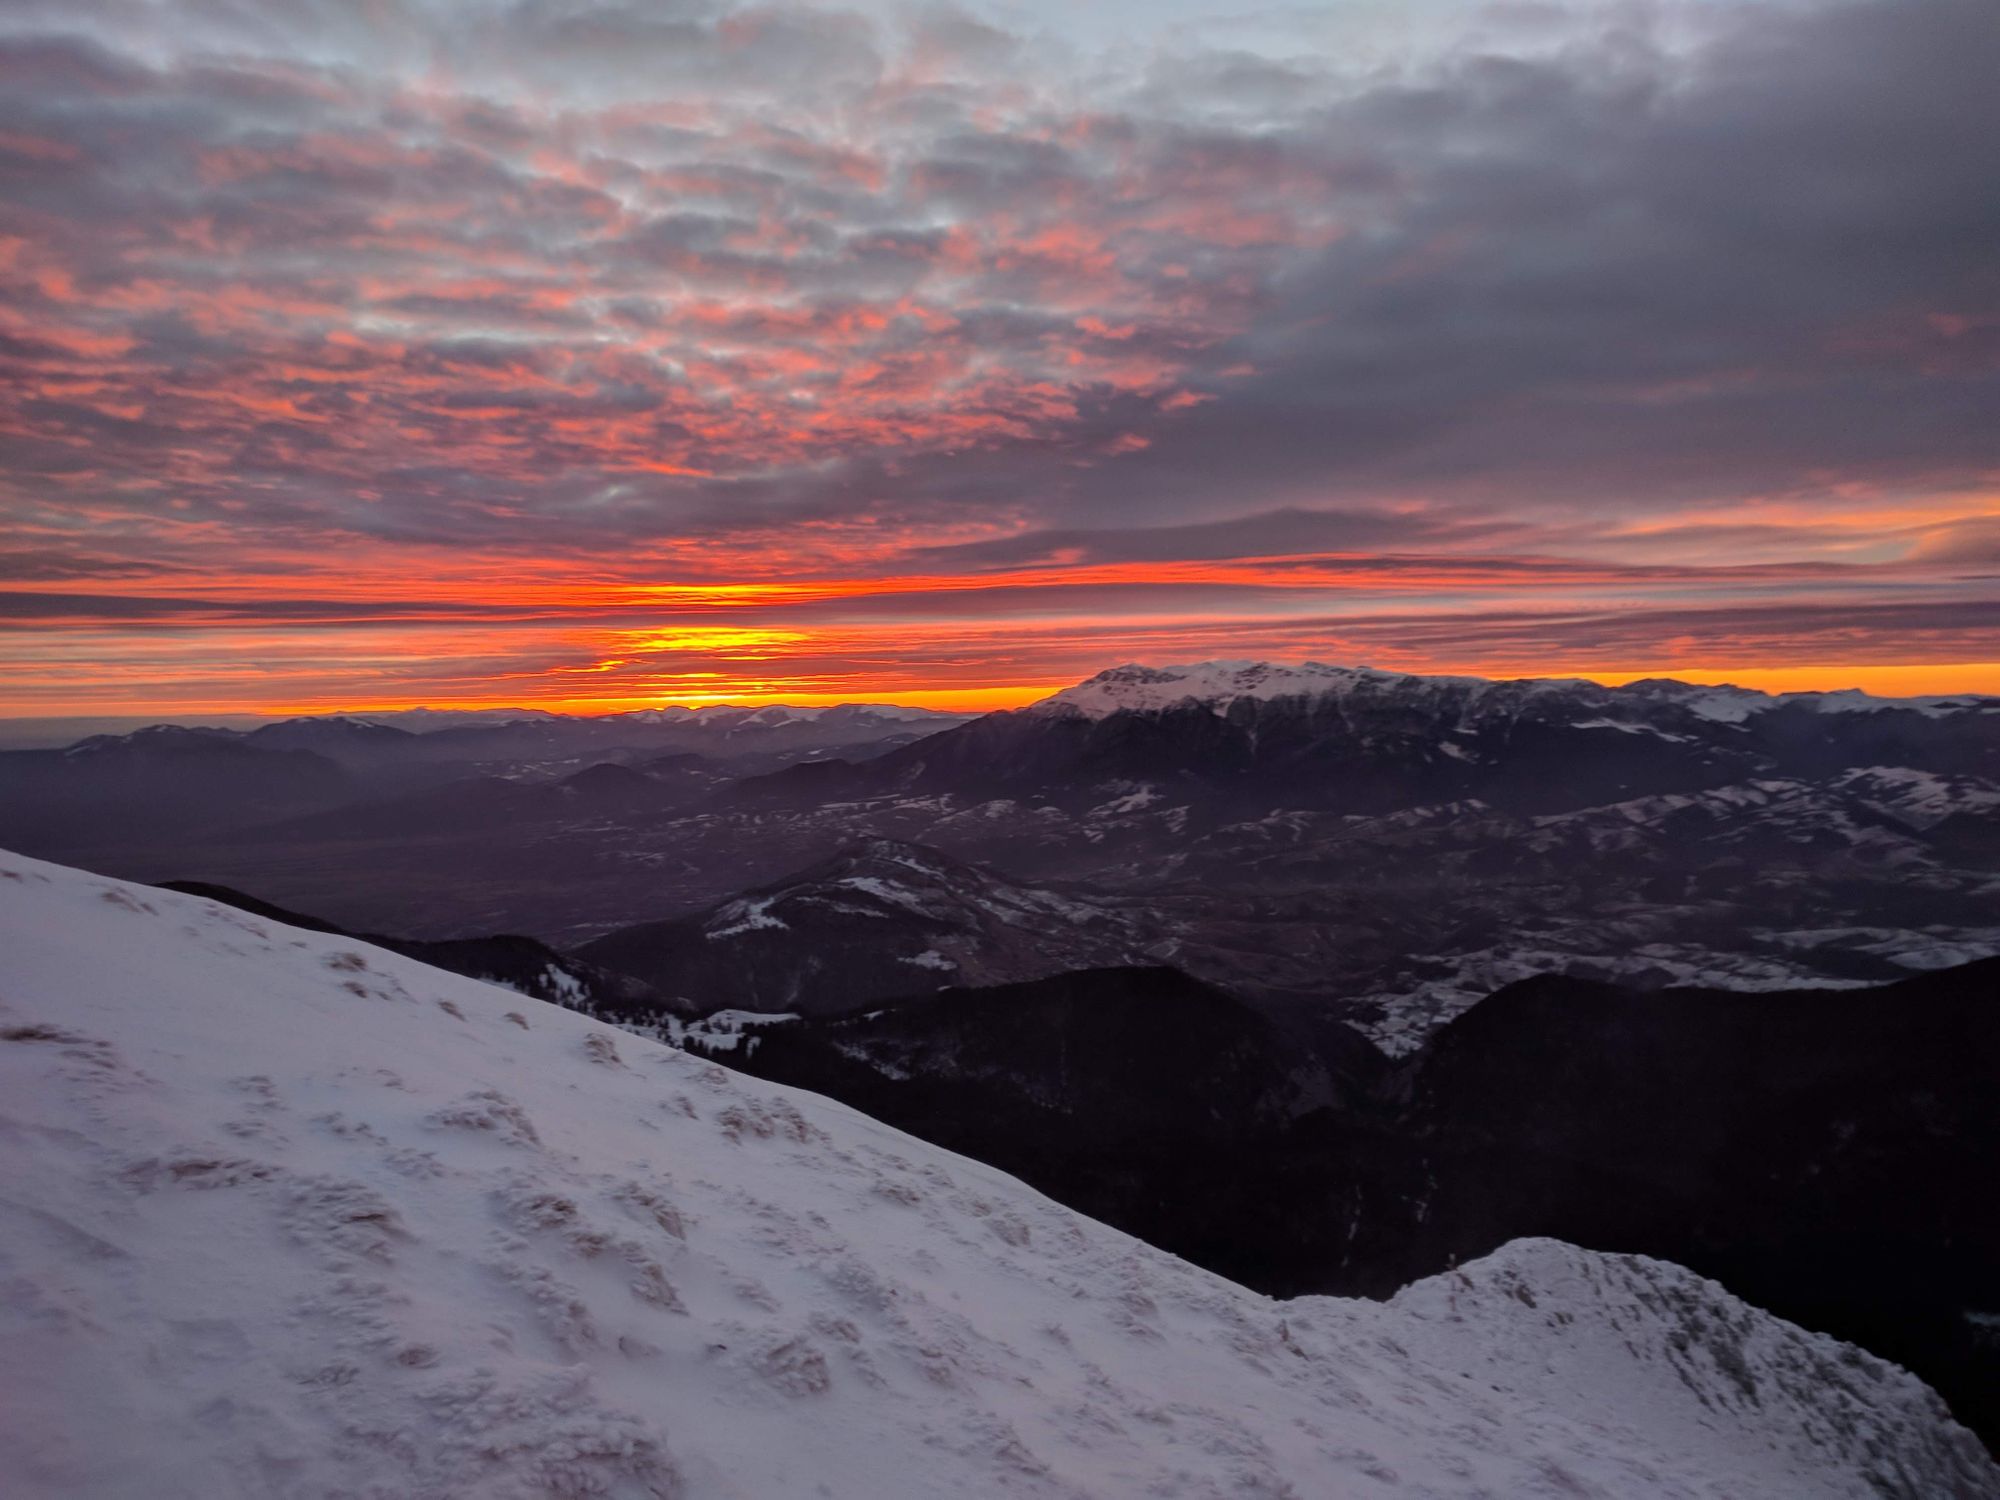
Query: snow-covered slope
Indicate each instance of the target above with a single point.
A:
(1141, 689)
(288, 1216)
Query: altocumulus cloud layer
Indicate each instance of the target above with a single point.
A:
(561, 350)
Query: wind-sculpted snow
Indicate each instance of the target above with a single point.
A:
(291, 1216)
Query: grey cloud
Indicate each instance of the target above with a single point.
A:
(1706, 279)
(1268, 534)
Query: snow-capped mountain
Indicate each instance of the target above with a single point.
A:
(289, 1216)
(1233, 737)
(880, 919)
(1216, 685)
(1134, 688)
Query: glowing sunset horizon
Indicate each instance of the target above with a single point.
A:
(1972, 679)
(589, 357)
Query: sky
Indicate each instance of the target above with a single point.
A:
(369, 353)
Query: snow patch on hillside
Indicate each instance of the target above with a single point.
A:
(738, 917)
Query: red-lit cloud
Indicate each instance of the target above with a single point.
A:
(577, 353)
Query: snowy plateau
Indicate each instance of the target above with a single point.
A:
(290, 1216)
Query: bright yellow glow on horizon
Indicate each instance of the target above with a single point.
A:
(707, 638)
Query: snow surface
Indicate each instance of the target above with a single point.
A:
(738, 917)
(288, 1216)
(1145, 689)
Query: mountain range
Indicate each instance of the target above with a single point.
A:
(1381, 847)
(1244, 737)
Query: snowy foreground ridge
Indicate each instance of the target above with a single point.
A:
(283, 1215)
